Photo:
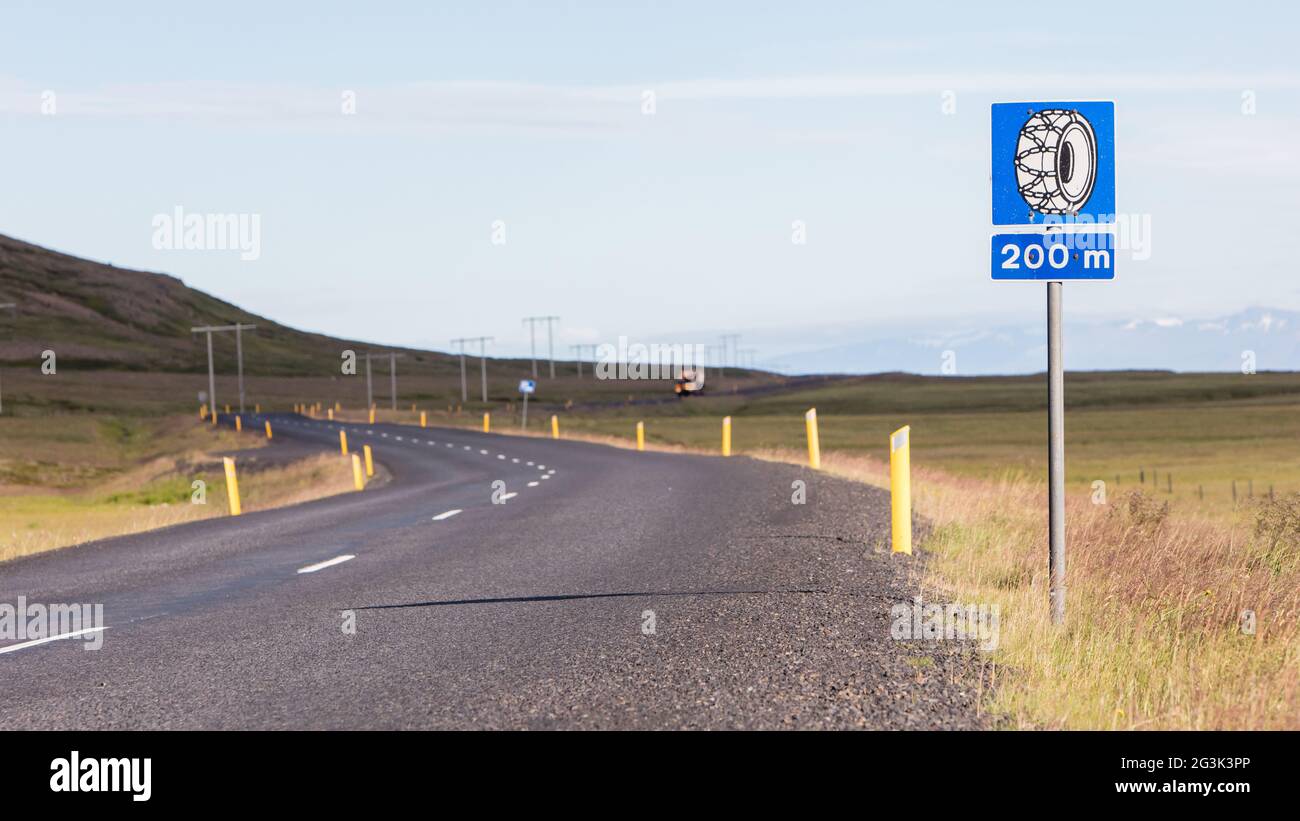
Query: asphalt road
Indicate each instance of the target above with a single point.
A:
(532, 613)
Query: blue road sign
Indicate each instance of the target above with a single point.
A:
(1053, 159)
(527, 386)
(1054, 255)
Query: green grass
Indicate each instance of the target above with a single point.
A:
(1128, 430)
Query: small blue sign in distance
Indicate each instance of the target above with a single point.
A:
(1054, 256)
(1053, 159)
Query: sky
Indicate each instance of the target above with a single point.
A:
(501, 160)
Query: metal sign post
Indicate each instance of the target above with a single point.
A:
(1053, 176)
(1055, 453)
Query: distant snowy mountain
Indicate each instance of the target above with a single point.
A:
(1160, 342)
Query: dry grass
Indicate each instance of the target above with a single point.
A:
(1154, 638)
(108, 494)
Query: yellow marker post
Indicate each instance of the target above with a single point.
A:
(343, 442)
(257, 408)
(424, 419)
(370, 461)
(358, 480)
(214, 419)
(640, 435)
(239, 424)
(232, 486)
(227, 409)
(900, 489)
(330, 414)
(726, 436)
(487, 423)
(338, 406)
(555, 426)
(372, 414)
(268, 428)
(814, 440)
(203, 413)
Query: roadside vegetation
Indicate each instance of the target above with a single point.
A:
(72, 478)
(1184, 584)
(1183, 604)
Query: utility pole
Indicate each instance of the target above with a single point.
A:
(464, 391)
(582, 348)
(550, 339)
(482, 361)
(392, 377)
(482, 358)
(578, 356)
(239, 358)
(725, 357)
(531, 322)
(370, 387)
(9, 306)
(238, 328)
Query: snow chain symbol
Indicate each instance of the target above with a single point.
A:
(1056, 161)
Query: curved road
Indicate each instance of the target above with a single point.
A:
(533, 613)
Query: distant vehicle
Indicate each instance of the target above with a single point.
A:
(689, 381)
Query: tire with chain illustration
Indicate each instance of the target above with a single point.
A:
(1056, 161)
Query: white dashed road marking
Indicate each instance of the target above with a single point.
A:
(12, 647)
(312, 568)
(446, 515)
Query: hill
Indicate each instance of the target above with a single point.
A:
(100, 316)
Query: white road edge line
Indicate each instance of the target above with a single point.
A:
(312, 568)
(533, 484)
(12, 647)
(446, 515)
